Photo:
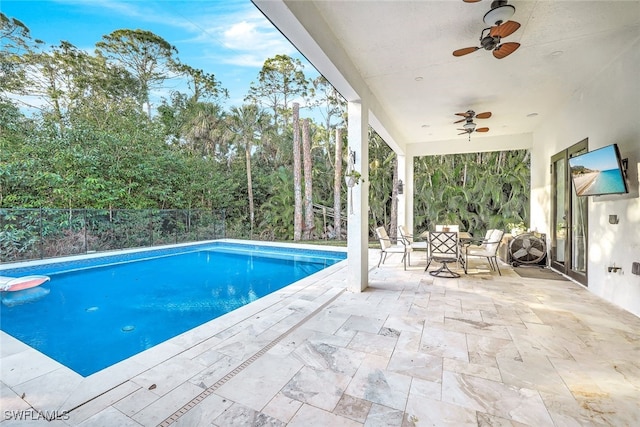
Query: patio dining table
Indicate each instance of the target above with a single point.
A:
(463, 236)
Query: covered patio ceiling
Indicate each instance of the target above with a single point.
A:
(399, 55)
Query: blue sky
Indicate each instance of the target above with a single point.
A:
(229, 38)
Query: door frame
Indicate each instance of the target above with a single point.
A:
(567, 266)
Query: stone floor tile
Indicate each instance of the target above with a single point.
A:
(102, 402)
(33, 365)
(444, 343)
(282, 407)
(405, 323)
(268, 374)
(518, 404)
(205, 412)
(383, 416)
(135, 402)
(380, 386)
(487, 420)
(353, 408)
(533, 372)
(318, 387)
(319, 354)
(416, 365)
(165, 406)
(166, 376)
(311, 416)
(109, 417)
(430, 412)
(371, 343)
(50, 391)
(408, 341)
(219, 366)
(474, 369)
(361, 324)
(485, 350)
(240, 416)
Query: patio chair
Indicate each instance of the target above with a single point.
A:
(488, 249)
(386, 247)
(408, 239)
(444, 247)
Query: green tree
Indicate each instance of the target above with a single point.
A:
(205, 131)
(204, 85)
(280, 81)
(382, 161)
(277, 211)
(478, 191)
(147, 56)
(16, 41)
(247, 123)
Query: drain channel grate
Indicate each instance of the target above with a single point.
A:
(209, 390)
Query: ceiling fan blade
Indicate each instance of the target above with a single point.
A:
(505, 29)
(505, 49)
(482, 130)
(484, 115)
(465, 51)
(459, 121)
(465, 114)
(462, 133)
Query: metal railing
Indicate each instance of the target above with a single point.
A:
(28, 234)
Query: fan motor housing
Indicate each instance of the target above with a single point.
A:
(489, 42)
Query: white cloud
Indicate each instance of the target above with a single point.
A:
(244, 60)
(251, 42)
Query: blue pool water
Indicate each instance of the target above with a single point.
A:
(95, 316)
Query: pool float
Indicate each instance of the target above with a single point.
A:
(12, 284)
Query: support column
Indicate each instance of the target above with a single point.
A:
(402, 198)
(358, 198)
(409, 191)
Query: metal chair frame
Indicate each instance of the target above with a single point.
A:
(387, 247)
(488, 249)
(444, 247)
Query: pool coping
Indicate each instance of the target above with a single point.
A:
(48, 386)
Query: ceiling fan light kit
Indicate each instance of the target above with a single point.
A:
(469, 127)
(499, 14)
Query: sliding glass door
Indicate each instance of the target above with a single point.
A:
(569, 218)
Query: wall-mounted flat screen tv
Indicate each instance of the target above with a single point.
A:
(598, 172)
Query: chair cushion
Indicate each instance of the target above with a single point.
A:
(479, 251)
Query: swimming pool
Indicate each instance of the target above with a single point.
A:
(101, 311)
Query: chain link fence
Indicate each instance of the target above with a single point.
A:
(28, 234)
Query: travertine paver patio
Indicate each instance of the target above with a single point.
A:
(411, 350)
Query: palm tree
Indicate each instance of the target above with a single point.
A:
(246, 123)
(204, 130)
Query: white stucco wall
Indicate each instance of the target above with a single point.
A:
(607, 111)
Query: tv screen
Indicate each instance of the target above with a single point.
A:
(598, 172)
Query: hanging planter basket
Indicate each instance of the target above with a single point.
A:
(352, 178)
